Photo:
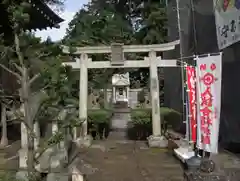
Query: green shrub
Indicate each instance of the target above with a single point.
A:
(101, 100)
(141, 97)
(140, 127)
(99, 122)
(143, 117)
(11, 176)
(99, 116)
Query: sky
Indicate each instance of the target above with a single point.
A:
(70, 8)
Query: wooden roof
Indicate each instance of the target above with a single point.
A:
(41, 17)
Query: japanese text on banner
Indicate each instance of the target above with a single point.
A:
(227, 19)
(208, 83)
(207, 109)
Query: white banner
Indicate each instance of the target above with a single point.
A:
(209, 76)
(227, 19)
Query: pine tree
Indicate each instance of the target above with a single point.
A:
(31, 63)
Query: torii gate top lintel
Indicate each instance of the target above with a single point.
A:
(126, 48)
(118, 60)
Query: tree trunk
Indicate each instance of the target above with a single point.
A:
(28, 120)
(25, 95)
(4, 139)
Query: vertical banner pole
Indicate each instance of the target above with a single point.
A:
(187, 108)
(187, 119)
(186, 152)
(181, 59)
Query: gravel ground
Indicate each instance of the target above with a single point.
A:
(130, 161)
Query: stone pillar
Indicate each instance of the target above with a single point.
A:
(128, 96)
(114, 94)
(24, 136)
(54, 127)
(36, 130)
(83, 93)
(74, 133)
(24, 147)
(156, 140)
(154, 88)
(124, 92)
(62, 116)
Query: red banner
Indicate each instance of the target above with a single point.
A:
(191, 84)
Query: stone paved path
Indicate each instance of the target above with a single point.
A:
(130, 161)
(117, 159)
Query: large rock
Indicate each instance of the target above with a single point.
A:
(76, 174)
(84, 141)
(43, 161)
(22, 175)
(59, 159)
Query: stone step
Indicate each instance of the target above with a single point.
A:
(120, 120)
(118, 134)
(3, 154)
(121, 110)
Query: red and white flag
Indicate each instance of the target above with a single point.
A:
(208, 78)
(191, 84)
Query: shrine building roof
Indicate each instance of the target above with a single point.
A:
(41, 17)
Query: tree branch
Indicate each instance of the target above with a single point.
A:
(7, 69)
(35, 77)
(10, 71)
(18, 67)
(43, 55)
(17, 48)
(3, 54)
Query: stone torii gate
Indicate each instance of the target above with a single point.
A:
(117, 52)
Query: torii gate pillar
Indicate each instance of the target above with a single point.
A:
(154, 90)
(83, 93)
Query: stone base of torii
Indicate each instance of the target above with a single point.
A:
(118, 61)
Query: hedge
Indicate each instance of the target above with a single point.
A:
(141, 124)
(140, 127)
(99, 122)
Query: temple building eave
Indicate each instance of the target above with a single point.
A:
(41, 17)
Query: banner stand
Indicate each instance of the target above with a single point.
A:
(186, 151)
(208, 79)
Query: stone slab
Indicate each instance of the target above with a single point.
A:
(157, 142)
(120, 120)
(22, 158)
(199, 176)
(184, 153)
(58, 177)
